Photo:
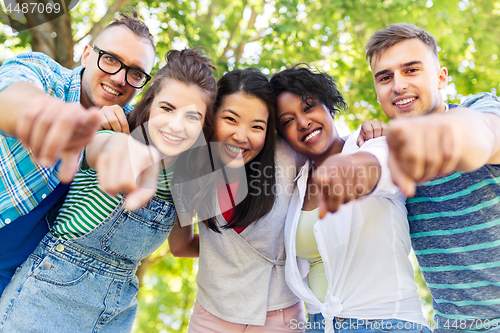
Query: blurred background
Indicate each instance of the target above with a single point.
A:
(271, 35)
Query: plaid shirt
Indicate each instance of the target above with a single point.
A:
(24, 183)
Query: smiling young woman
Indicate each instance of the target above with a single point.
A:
(355, 261)
(241, 281)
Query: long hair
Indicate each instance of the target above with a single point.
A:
(260, 198)
(188, 67)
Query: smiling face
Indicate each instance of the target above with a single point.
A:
(177, 115)
(101, 89)
(408, 79)
(307, 126)
(240, 124)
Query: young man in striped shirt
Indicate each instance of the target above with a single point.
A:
(453, 153)
(51, 110)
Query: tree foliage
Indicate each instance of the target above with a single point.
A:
(271, 35)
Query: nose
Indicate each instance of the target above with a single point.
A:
(303, 122)
(400, 83)
(119, 78)
(240, 135)
(176, 123)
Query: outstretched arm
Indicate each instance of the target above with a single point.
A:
(48, 126)
(183, 241)
(344, 177)
(422, 148)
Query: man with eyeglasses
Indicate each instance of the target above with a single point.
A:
(54, 111)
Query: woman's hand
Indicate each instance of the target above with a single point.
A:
(125, 165)
(371, 129)
(344, 177)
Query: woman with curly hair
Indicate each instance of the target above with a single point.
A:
(351, 267)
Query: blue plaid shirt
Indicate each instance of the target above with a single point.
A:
(24, 183)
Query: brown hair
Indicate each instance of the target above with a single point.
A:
(186, 66)
(133, 23)
(396, 33)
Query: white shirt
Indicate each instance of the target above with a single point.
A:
(364, 246)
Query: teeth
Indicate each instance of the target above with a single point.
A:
(235, 150)
(312, 135)
(173, 138)
(405, 101)
(111, 91)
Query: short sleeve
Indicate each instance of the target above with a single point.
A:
(483, 102)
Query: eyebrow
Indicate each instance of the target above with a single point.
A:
(198, 112)
(231, 111)
(173, 107)
(237, 115)
(283, 114)
(260, 121)
(406, 64)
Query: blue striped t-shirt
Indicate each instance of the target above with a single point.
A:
(455, 230)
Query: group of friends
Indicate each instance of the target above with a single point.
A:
(91, 186)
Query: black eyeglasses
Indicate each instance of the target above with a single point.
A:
(109, 64)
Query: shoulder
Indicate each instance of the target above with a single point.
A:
(483, 102)
(33, 58)
(285, 155)
(372, 145)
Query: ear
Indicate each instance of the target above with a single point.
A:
(86, 55)
(442, 78)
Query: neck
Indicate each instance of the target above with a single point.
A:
(335, 148)
(232, 175)
(168, 161)
(84, 99)
(441, 109)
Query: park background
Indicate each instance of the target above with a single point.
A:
(272, 35)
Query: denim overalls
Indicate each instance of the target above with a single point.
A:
(87, 284)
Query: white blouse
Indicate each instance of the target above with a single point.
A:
(364, 246)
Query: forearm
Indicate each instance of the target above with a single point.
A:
(99, 143)
(183, 242)
(480, 137)
(344, 177)
(367, 166)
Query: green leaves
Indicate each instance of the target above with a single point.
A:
(272, 35)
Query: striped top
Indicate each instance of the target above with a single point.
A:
(455, 230)
(87, 205)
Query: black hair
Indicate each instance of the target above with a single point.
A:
(309, 85)
(260, 198)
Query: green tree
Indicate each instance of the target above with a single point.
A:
(272, 35)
